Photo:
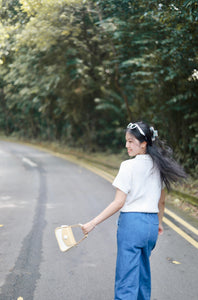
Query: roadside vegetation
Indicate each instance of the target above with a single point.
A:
(74, 73)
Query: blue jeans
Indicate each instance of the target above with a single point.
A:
(136, 237)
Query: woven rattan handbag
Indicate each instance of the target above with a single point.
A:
(65, 237)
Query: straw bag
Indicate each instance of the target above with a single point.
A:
(65, 237)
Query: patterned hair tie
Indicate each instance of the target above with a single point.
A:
(154, 133)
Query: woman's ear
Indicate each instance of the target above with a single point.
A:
(143, 145)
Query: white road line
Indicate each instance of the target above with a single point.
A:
(29, 162)
(110, 178)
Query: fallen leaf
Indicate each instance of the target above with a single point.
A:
(176, 262)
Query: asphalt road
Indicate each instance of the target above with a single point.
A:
(40, 192)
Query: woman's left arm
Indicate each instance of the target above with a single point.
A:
(110, 210)
(161, 206)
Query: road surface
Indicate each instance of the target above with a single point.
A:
(40, 192)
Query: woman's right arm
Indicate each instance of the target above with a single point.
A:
(111, 209)
(161, 206)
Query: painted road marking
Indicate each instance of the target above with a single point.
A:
(170, 213)
(101, 173)
(181, 232)
(5, 198)
(110, 178)
(29, 162)
(181, 221)
(95, 170)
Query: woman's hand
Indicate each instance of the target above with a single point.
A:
(160, 229)
(86, 228)
(110, 210)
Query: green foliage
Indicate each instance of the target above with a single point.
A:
(78, 71)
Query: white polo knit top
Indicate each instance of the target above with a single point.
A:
(139, 178)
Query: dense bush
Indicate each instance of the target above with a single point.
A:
(78, 71)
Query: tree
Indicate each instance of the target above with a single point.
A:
(78, 71)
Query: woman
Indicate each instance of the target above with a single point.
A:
(140, 197)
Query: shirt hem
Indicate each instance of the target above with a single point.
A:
(140, 211)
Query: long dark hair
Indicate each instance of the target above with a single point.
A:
(162, 155)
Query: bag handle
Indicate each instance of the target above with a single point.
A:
(77, 225)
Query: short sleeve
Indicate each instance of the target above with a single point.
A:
(123, 179)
